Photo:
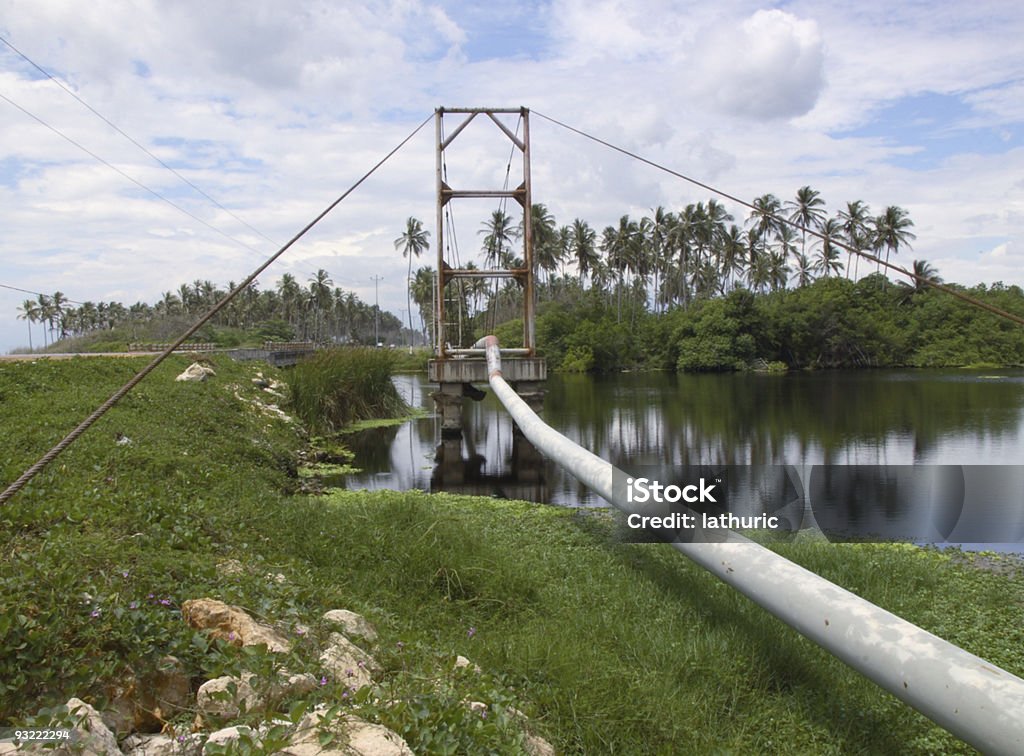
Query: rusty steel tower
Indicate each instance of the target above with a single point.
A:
(456, 368)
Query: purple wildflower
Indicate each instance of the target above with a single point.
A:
(95, 613)
(133, 605)
(471, 632)
(323, 680)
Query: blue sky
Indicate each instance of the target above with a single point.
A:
(274, 109)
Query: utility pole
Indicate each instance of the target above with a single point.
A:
(376, 311)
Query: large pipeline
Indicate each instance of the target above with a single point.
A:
(972, 698)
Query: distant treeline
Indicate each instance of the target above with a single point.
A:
(832, 322)
(317, 311)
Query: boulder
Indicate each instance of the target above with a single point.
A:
(162, 745)
(354, 737)
(288, 685)
(229, 735)
(351, 624)
(90, 737)
(232, 624)
(196, 372)
(226, 697)
(347, 663)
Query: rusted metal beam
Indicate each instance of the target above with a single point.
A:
(480, 110)
(458, 130)
(451, 273)
(515, 140)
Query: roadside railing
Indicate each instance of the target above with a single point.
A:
(186, 347)
(972, 698)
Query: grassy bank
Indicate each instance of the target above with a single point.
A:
(609, 647)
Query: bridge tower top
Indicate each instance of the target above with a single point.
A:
(502, 268)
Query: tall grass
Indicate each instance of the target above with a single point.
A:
(340, 386)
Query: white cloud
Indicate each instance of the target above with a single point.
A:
(770, 66)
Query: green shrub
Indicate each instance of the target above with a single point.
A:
(339, 386)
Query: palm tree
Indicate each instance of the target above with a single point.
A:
(655, 231)
(30, 314)
(892, 230)
(423, 293)
(856, 230)
(583, 248)
(806, 211)
(320, 297)
(57, 302)
(45, 314)
(923, 274)
(733, 254)
(413, 242)
(545, 241)
(804, 270)
(828, 254)
(291, 296)
(765, 217)
(498, 236)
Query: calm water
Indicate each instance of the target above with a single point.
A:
(835, 418)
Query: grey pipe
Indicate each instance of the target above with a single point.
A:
(973, 699)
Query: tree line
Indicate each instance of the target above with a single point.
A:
(317, 311)
(669, 258)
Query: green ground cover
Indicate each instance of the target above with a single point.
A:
(609, 647)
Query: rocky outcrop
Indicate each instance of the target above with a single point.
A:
(226, 697)
(351, 624)
(232, 624)
(352, 737)
(145, 704)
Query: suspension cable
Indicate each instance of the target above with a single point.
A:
(69, 439)
(125, 174)
(834, 242)
(127, 136)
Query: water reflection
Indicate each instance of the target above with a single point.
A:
(866, 418)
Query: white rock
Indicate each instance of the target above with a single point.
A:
(461, 662)
(215, 699)
(351, 624)
(231, 623)
(196, 372)
(355, 737)
(535, 745)
(162, 745)
(230, 734)
(91, 736)
(348, 663)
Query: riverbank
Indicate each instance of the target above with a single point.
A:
(606, 646)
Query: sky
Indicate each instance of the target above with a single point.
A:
(274, 109)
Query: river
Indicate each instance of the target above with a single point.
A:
(934, 421)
